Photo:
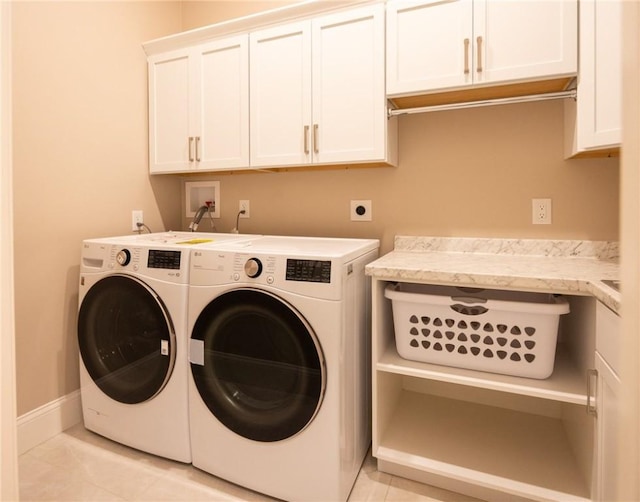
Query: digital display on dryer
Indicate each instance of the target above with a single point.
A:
(164, 259)
(308, 270)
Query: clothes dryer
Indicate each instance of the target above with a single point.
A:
(132, 338)
(279, 393)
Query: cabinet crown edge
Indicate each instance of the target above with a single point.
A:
(297, 11)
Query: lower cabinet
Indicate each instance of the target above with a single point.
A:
(606, 398)
(486, 435)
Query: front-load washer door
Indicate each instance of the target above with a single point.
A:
(126, 339)
(257, 365)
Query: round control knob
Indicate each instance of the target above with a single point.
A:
(123, 257)
(253, 267)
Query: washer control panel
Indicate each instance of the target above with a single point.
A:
(164, 258)
(163, 262)
(153, 262)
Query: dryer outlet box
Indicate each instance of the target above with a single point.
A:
(361, 210)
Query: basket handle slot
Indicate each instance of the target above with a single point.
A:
(469, 309)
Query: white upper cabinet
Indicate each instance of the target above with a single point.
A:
(348, 73)
(435, 45)
(428, 45)
(169, 131)
(223, 121)
(317, 91)
(280, 92)
(594, 121)
(199, 107)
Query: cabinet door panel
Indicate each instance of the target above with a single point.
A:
(414, 62)
(280, 89)
(600, 84)
(169, 112)
(525, 39)
(607, 435)
(348, 86)
(224, 104)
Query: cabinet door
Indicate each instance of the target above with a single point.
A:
(429, 45)
(526, 39)
(222, 102)
(600, 83)
(607, 438)
(280, 90)
(349, 103)
(169, 112)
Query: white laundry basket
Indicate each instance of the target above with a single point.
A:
(507, 332)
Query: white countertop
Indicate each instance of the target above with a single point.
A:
(569, 267)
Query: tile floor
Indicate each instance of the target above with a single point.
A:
(82, 466)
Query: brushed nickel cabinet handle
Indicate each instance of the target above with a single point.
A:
(197, 148)
(190, 148)
(316, 148)
(479, 42)
(466, 56)
(306, 139)
(592, 392)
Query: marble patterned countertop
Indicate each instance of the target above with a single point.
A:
(556, 266)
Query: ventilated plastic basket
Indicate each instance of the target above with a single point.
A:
(506, 332)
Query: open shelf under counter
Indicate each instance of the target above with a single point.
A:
(520, 455)
(566, 384)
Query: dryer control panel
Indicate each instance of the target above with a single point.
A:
(308, 270)
(311, 276)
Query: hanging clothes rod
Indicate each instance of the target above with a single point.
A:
(571, 93)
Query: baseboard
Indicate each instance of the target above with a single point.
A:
(48, 420)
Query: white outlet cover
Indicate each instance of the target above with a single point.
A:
(541, 211)
(244, 204)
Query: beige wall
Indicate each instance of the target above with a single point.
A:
(201, 13)
(628, 396)
(80, 165)
(461, 173)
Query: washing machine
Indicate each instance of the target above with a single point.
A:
(279, 350)
(132, 338)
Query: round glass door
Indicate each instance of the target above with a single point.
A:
(126, 339)
(263, 373)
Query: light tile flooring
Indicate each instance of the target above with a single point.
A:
(82, 466)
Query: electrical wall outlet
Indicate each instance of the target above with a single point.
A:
(243, 205)
(136, 217)
(361, 210)
(541, 211)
